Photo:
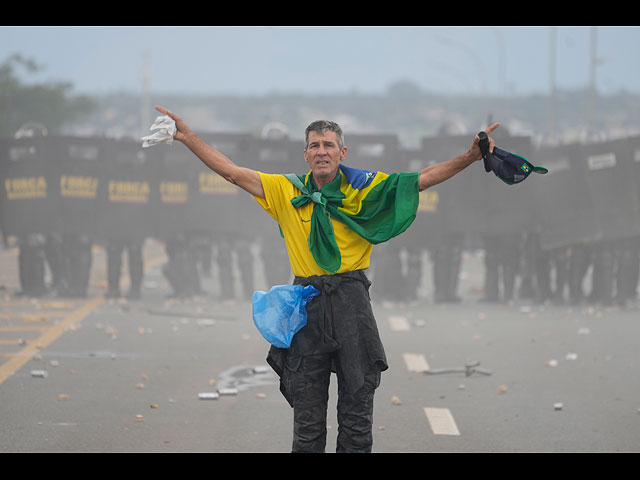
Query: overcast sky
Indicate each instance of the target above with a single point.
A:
(259, 60)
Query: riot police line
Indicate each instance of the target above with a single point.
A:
(572, 236)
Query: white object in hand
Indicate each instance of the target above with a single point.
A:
(166, 129)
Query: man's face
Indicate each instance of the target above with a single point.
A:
(324, 155)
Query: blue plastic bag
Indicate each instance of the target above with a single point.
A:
(281, 312)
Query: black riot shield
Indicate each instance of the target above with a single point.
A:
(4, 152)
(76, 185)
(213, 205)
(563, 202)
(27, 170)
(612, 187)
(125, 194)
(375, 152)
(276, 155)
(461, 199)
(171, 188)
(634, 149)
(634, 152)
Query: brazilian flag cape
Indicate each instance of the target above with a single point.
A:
(375, 205)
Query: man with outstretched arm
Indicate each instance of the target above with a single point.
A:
(330, 219)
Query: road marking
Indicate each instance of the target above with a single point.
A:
(416, 362)
(399, 324)
(16, 341)
(25, 328)
(52, 332)
(14, 363)
(441, 421)
(31, 316)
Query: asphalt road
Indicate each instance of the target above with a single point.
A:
(93, 375)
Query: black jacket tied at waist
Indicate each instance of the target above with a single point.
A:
(340, 321)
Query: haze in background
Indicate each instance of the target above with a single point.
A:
(260, 60)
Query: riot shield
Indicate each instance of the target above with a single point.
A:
(612, 187)
(634, 149)
(29, 204)
(125, 193)
(213, 205)
(171, 189)
(566, 213)
(274, 155)
(461, 198)
(375, 152)
(76, 186)
(4, 154)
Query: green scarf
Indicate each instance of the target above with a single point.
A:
(387, 209)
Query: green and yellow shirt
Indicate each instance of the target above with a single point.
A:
(333, 229)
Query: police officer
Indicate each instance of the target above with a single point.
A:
(628, 268)
(76, 265)
(31, 246)
(579, 262)
(115, 248)
(223, 259)
(31, 265)
(181, 269)
(447, 259)
(501, 267)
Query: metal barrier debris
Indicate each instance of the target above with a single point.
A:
(468, 370)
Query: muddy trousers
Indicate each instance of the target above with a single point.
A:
(309, 386)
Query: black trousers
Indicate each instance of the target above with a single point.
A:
(309, 390)
(115, 248)
(340, 336)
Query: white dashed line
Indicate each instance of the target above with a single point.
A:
(416, 362)
(399, 324)
(441, 421)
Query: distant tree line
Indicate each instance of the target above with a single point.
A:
(50, 104)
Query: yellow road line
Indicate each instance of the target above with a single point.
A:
(32, 316)
(23, 328)
(17, 360)
(14, 363)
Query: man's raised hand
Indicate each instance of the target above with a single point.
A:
(181, 126)
(475, 148)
